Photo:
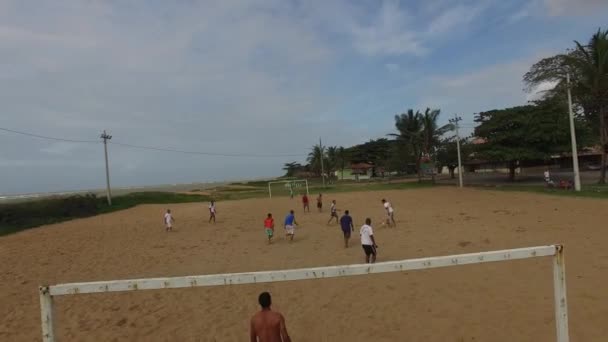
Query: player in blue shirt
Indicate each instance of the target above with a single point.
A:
(346, 223)
(290, 224)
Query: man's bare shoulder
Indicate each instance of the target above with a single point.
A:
(272, 315)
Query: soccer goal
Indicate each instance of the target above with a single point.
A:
(556, 251)
(289, 187)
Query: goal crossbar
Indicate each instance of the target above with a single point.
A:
(48, 292)
(291, 182)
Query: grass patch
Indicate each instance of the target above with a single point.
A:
(19, 216)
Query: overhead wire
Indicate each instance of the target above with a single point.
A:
(48, 137)
(163, 149)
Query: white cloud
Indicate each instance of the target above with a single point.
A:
(210, 77)
(454, 17)
(538, 92)
(490, 87)
(388, 33)
(563, 7)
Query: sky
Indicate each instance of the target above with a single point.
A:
(263, 80)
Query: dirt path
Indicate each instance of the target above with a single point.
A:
(494, 302)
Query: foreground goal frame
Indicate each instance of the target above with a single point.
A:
(556, 251)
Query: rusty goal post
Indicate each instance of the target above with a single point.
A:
(47, 293)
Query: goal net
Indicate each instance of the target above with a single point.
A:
(292, 187)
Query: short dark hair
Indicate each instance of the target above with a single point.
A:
(346, 212)
(368, 221)
(265, 300)
(269, 215)
(383, 200)
(291, 211)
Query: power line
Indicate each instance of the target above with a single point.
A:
(163, 149)
(204, 153)
(49, 138)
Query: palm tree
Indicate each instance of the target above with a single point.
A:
(588, 69)
(410, 130)
(314, 158)
(431, 134)
(342, 156)
(291, 168)
(331, 160)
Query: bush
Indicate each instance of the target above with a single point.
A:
(22, 215)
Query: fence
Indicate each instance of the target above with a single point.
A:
(556, 251)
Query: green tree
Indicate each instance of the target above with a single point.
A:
(342, 156)
(399, 157)
(431, 133)
(292, 168)
(447, 154)
(588, 69)
(531, 132)
(421, 133)
(331, 160)
(314, 158)
(409, 131)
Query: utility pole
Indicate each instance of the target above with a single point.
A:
(455, 121)
(105, 138)
(322, 167)
(577, 175)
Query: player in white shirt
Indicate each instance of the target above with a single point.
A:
(333, 212)
(368, 242)
(212, 211)
(168, 220)
(390, 213)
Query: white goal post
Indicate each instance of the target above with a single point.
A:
(289, 183)
(556, 251)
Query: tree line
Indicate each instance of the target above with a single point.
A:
(513, 136)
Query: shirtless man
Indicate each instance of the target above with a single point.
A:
(305, 203)
(333, 212)
(267, 325)
(168, 219)
(212, 211)
(390, 213)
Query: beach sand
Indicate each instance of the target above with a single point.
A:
(507, 301)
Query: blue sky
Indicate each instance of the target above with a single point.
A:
(250, 77)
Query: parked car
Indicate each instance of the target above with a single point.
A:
(592, 167)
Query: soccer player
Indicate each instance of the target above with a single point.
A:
(346, 223)
(168, 219)
(390, 213)
(320, 202)
(268, 325)
(269, 227)
(290, 225)
(368, 242)
(212, 211)
(333, 212)
(305, 203)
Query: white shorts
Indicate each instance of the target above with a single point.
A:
(290, 230)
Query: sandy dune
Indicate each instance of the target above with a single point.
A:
(494, 302)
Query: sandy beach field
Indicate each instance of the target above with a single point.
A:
(509, 301)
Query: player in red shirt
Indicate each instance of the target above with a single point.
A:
(305, 203)
(269, 227)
